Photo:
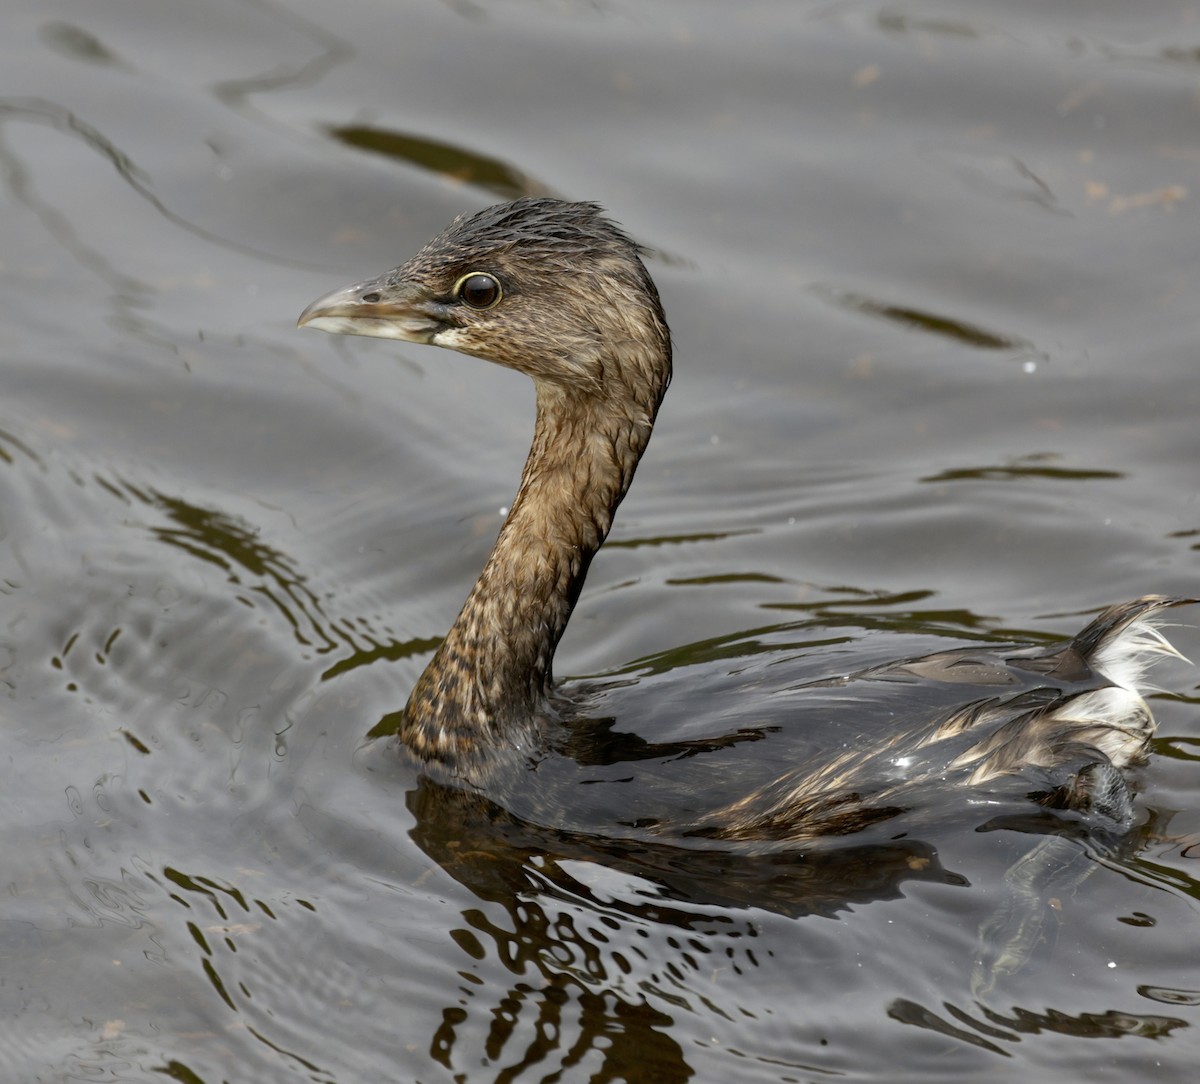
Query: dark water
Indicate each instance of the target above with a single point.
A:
(931, 270)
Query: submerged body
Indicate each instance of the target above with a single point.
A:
(558, 292)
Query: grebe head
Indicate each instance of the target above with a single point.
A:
(549, 288)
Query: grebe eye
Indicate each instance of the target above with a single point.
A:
(478, 290)
(373, 298)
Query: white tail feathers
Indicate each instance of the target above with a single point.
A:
(1121, 645)
(1125, 657)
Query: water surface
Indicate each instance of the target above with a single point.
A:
(931, 274)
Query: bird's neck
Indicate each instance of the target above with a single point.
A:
(489, 680)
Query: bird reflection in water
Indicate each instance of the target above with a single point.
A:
(580, 984)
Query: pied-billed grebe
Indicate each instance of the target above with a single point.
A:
(558, 292)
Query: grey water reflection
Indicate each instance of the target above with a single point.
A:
(443, 160)
(572, 903)
(57, 220)
(929, 323)
(331, 51)
(79, 44)
(132, 293)
(257, 570)
(987, 1029)
(1039, 465)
